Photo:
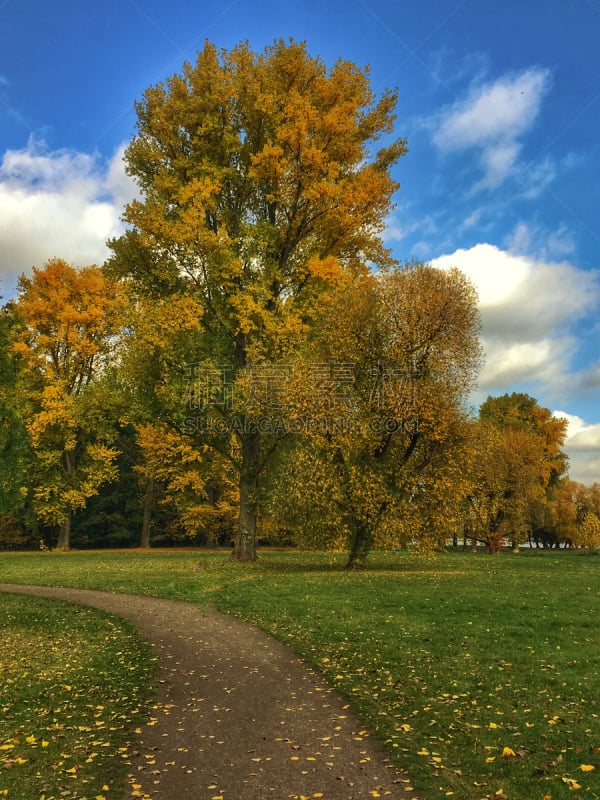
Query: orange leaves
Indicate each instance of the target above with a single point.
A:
(327, 269)
(70, 320)
(69, 315)
(284, 179)
(260, 189)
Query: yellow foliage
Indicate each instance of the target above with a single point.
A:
(70, 320)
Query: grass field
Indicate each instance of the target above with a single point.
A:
(73, 683)
(482, 674)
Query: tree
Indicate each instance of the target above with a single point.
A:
(202, 492)
(260, 188)
(70, 319)
(15, 452)
(381, 461)
(505, 484)
(519, 411)
(518, 464)
(140, 387)
(586, 532)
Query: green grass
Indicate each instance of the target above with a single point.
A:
(456, 661)
(73, 682)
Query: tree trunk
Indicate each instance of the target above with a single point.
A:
(359, 547)
(64, 534)
(147, 519)
(245, 543)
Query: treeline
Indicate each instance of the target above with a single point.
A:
(250, 363)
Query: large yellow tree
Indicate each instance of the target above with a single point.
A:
(261, 184)
(518, 466)
(70, 319)
(381, 401)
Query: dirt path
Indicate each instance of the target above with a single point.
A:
(239, 716)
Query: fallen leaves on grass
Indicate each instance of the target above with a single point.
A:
(71, 682)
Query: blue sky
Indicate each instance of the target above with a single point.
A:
(500, 104)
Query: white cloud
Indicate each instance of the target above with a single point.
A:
(590, 377)
(492, 118)
(549, 245)
(473, 219)
(121, 187)
(528, 308)
(498, 161)
(58, 203)
(400, 224)
(580, 434)
(582, 445)
(534, 178)
(510, 363)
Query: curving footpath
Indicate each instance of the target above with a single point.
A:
(238, 716)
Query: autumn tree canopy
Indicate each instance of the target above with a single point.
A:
(518, 468)
(254, 350)
(403, 352)
(261, 185)
(70, 318)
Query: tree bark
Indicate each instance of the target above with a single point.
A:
(64, 534)
(245, 543)
(359, 547)
(147, 519)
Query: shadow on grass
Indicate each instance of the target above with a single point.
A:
(272, 562)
